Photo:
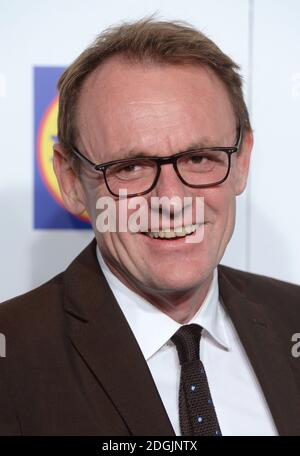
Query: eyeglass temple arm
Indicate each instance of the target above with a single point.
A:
(240, 138)
(82, 157)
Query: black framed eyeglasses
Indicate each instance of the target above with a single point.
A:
(197, 168)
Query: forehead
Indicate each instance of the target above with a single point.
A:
(124, 105)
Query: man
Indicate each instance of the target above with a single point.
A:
(111, 345)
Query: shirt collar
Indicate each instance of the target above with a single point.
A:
(151, 327)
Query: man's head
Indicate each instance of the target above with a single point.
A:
(153, 89)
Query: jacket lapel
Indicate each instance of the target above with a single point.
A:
(101, 334)
(266, 354)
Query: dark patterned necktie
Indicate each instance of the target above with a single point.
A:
(197, 414)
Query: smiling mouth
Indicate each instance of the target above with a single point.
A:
(173, 234)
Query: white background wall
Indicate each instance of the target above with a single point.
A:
(262, 36)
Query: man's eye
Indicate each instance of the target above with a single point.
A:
(206, 158)
(135, 170)
(197, 159)
(130, 168)
(201, 159)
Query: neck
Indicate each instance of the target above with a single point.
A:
(180, 305)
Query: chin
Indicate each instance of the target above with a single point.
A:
(177, 280)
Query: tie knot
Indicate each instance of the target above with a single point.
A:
(187, 341)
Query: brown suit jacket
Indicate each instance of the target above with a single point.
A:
(73, 366)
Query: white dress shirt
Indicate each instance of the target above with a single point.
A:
(240, 405)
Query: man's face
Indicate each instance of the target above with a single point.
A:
(159, 111)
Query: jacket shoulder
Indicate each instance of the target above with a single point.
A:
(251, 282)
(279, 298)
(30, 313)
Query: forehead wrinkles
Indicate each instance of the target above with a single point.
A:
(112, 113)
(116, 76)
(137, 123)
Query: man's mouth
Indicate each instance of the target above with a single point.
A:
(173, 233)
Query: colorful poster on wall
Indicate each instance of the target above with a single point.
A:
(49, 210)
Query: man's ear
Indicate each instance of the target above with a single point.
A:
(69, 183)
(242, 162)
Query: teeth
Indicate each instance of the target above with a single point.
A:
(169, 234)
(189, 229)
(178, 232)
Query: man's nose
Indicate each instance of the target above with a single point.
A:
(171, 187)
(169, 184)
